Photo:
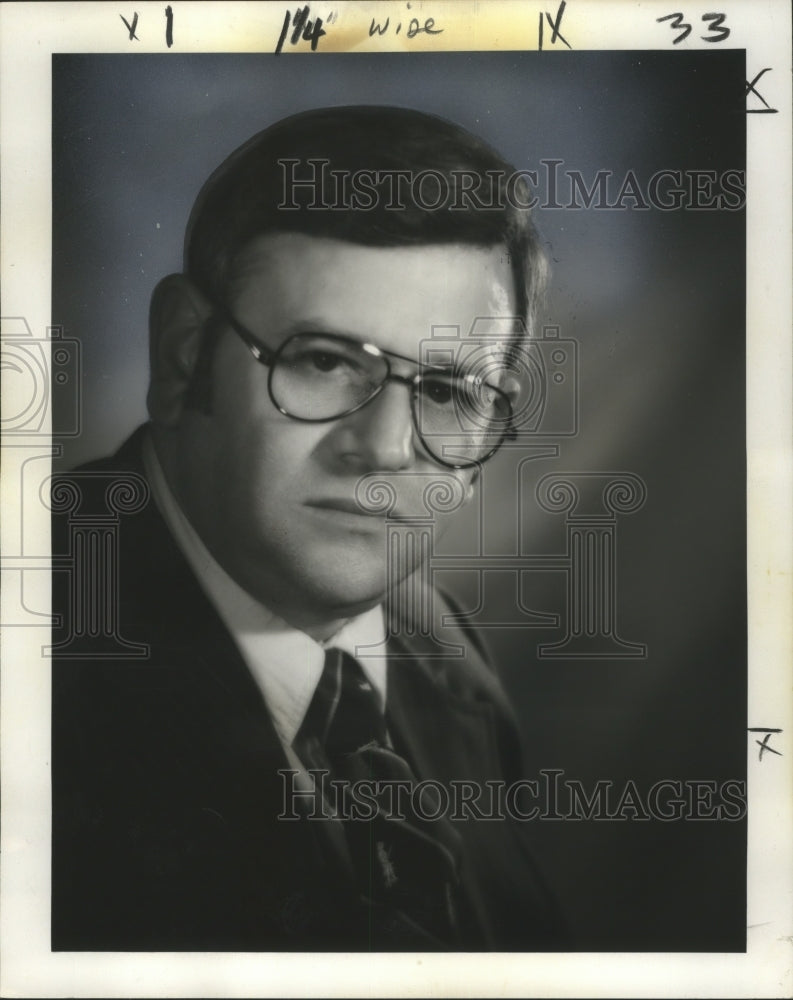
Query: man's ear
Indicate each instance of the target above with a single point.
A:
(177, 318)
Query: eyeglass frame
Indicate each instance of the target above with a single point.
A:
(268, 357)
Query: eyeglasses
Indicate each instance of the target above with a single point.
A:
(461, 419)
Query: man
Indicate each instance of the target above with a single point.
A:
(288, 374)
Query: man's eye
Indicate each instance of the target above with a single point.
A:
(440, 393)
(320, 359)
(324, 361)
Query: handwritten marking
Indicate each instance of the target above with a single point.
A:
(168, 26)
(131, 27)
(415, 27)
(718, 21)
(763, 744)
(719, 33)
(677, 22)
(304, 27)
(555, 24)
(750, 87)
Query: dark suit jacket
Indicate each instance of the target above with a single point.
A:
(165, 773)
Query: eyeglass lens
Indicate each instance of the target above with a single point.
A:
(319, 377)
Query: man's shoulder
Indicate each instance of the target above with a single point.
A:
(128, 457)
(109, 489)
(118, 572)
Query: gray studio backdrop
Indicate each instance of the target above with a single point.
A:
(652, 295)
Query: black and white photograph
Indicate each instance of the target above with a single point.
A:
(400, 594)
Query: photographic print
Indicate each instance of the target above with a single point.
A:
(381, 536)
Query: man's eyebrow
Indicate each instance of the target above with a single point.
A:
(311, 325)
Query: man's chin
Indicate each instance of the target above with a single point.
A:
(327, 581)
(325, 616)
(349, 598)
(328, 590)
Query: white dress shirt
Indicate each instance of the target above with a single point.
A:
(285, 662)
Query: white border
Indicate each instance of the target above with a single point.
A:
(29, 34)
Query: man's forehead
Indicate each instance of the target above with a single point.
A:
(393, 296)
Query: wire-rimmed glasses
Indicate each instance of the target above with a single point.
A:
(460, 418)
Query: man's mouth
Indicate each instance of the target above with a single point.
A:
(347, 506)
(344, 506)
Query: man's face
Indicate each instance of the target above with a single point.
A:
(274, 498)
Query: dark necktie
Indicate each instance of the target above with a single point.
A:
(403, 862)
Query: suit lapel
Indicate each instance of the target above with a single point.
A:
(434, 720)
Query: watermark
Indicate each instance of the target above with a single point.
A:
(41, 381)
(311, 184)
(540, 373)
(551, 796)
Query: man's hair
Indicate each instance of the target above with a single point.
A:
(262, 188)
(246, 196)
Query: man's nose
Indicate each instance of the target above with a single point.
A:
(379, 436)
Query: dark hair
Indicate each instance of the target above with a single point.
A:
(243, 198)
(247, 195)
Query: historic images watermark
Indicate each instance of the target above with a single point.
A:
(549, 796)
(310, 184)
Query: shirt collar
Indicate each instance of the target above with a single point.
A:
(285, 662)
